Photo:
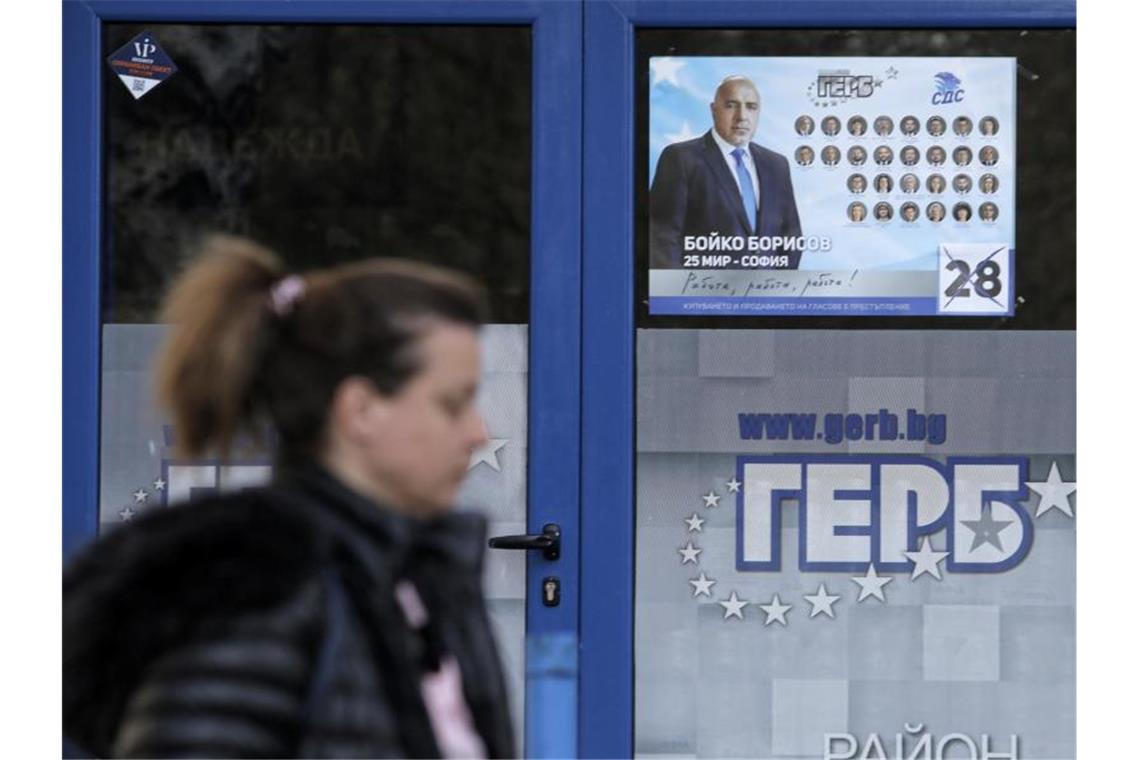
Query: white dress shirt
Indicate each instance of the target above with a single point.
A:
(726, 149)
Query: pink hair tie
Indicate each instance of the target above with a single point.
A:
(285, 293)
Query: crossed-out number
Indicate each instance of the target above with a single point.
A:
(985, 277)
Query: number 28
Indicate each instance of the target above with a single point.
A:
(987, 279)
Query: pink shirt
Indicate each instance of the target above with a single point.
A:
(443, 690)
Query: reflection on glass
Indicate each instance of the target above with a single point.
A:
(330, 143)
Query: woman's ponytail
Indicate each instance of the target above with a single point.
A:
(218, 314)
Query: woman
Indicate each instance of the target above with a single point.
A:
(337, 611)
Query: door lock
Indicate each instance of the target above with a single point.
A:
(551, 591)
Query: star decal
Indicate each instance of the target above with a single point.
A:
(159, 485)
(775, 611)
(926, 561)
(822, 602)
(665, 70)
(1054, 492)
(694, 523)
(140, 496)
(689, 554)
(126, 514)
(872, 584)
(733, 486)
(892, 73)
(986, 529)
(702, 585)
(488, 454)
(711, 500)
(733, 606)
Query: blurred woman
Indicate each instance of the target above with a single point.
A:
(337, 611)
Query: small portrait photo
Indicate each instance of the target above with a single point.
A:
(883, 212)
(909, 212)
(908, 183)
(936, 126)
(883, 183)
(962, 212)
(805, 155)
(909, 155)
(936, 155)
(963, 126)
(963, 156)
(857, 126)
(962, 184)
(936, 212)
(884, 126)
(909, 125)
(988, 126)
(988, 184)
(988, 212)
(988, 155)
(884, 155)
(857, 183)
(857, 155)
(856, 212)
(935, 183)
(830, 125)
(805, 125)
(830, 155)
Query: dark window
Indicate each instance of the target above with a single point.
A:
(327, 143)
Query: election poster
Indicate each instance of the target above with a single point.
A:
(831, 186)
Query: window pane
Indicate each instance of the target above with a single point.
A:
(328, 143)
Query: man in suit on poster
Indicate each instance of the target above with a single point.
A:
(722, 183)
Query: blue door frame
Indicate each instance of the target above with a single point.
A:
(554, 361)
(582, 286)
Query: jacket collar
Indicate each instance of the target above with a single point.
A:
(714, 157)
(454, 538)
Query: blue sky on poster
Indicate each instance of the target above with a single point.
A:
(682, 88)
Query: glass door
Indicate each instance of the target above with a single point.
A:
(331, 139)
(836, 488)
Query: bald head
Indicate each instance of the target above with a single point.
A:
(735, 110)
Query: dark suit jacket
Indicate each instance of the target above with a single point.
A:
(695, 193)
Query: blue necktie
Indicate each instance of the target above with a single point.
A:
(746, 191)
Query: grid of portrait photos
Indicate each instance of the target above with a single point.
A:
(891, 182)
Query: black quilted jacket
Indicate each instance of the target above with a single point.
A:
(264, 624)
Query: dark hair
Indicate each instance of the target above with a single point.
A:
(233, 360)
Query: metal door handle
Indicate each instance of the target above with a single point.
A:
(549, 542)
